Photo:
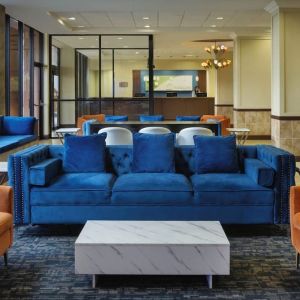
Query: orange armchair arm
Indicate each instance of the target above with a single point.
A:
(295, 206)
(6, 199)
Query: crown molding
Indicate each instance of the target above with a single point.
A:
(282, 5)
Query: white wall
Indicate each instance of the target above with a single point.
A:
(252, 73)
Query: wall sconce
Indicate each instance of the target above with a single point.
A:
(197, 78)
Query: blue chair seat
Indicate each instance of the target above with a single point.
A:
(229, 189)
(153, 118)
(75, 188)
(109, 118)
(187, 118)
(152, 188)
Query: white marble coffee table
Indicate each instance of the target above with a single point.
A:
(152, 248)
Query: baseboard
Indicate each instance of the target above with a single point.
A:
(259, 137)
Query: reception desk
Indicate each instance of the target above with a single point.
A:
(171, 107)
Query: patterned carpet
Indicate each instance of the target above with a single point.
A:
(41, 266)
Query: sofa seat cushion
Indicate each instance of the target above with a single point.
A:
(152, 188)
(229, 189)
(8, 142)
(75, 189)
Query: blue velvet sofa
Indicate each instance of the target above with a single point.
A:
(16, 131)
(257, 194)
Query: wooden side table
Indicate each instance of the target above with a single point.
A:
(241, 134)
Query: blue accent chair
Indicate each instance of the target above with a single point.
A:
(146, 118)
(187, 118)
(257, 194)
(110, 118)
(16, 131)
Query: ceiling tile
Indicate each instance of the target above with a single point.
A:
(194, 19)
(96, 19)
(170, 19)
(121, 19)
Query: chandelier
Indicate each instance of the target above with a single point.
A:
(218, 60)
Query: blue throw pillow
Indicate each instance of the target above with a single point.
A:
(84, 153)
(109, 118)
(215, 154)
(18, 125)
(153, 153)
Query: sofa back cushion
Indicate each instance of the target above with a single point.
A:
(153, 153)
(1, 124)
(84, 153)
(215, 154)
(18, 125)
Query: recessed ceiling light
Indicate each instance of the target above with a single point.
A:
(119, 38)
(220, 18)
(60, 22)
(145, 18)
(81, 38)
(80, 26)
(147, 26)
(72, 18)
(189, 55)
(137, 52)
(125, 46)
(213, 25)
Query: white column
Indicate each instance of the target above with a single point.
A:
(285, 74)
(252, 84)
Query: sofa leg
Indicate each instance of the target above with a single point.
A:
(297, 260)
(5, 259)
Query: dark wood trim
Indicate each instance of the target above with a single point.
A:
(202, 80)
(259, 137)
(286, 118)
(136, 82)
(297, 158)
(252, 109)
(224, 105)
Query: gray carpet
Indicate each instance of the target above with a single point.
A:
(41, 266)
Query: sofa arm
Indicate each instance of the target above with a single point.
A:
(284, 166)
(6, 202)
(18, 173)
(259, 172)
(43, 172)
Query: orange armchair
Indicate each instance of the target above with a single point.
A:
(6, 220)
(295, 220)
(82, 119)
(225, 122)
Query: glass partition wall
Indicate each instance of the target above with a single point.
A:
(92, 74)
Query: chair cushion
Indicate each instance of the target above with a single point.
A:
(146, 118)
(6, 221)
(215, 154)
(152, 188)
(75, 189)
(229, 189)
(8, 142)
(187, 118)
(115, 118)
(297, 221)
(18, 125)
(153, 153)
(84, 153)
